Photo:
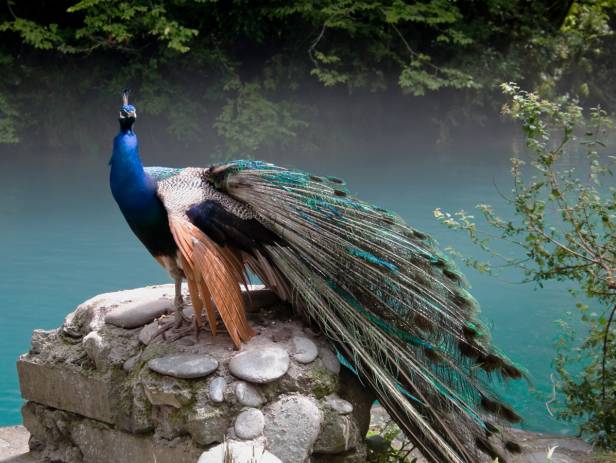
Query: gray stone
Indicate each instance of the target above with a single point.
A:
(339, 433)
(40, 338)
(207, 424)
(261, 364)
(49, 429)
(358, 394)
(340, 406)
(66, 389)
(184, 365)
(14, 445)
(239, 452)
(248, 395)
(109, 347)
(217, 389)
(147, 333)
(166, 392)
(68, 438)
(292, 425)
(311, 380)
(305, 351)
(107, 350)
(102, 445)
(535, 447)
(329, 359)
(97, 349)
(88, 317)
(136, 314)
(137, 417)
(249, 423)
(130, 363)
(169, 422)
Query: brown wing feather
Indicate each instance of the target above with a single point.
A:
(268, 274)
(213, 273)
(206, 297)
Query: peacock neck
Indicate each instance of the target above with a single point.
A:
(125, 159)
(130, 185)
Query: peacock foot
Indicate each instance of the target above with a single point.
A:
(178, 327)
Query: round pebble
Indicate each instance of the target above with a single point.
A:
(305, 351)
(135, 314)
(330, 361)
(292, 426)
(261, 365)
(339, 405)
(249, 423)
(184, 365)
(217, 390)
(248, 395)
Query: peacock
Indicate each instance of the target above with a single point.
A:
(395, 308)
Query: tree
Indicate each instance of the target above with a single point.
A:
(203, 58)
(565, 225)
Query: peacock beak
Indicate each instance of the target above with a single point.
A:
(128, 114)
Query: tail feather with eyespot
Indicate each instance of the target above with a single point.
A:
(395, 308)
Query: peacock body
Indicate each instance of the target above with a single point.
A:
(393, 306)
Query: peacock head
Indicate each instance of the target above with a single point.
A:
(128, 113)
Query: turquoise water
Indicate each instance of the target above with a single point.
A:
(63, 241)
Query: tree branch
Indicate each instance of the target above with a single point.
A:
(606, 334)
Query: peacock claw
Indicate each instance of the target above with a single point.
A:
(185, 317)
(179, 333)
(176, 328)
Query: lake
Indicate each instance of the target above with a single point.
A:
(64, 240)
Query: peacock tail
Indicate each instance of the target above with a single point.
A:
(394, 307)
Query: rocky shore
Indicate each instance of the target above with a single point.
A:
(102, 388)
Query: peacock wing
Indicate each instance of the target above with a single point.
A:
(213, 271)
(396, 309)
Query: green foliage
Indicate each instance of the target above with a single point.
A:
(565, 224)
(36, 35)
(8, 134)
(250, 121)
(579, 53)
(583, 388)
(190, 51)
(387, 444)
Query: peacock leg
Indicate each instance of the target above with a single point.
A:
(180, 325)
(178, 302)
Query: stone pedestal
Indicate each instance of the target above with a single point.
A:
(101, 389)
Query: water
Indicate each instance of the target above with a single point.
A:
(63, 241)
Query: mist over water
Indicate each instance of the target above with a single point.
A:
(63, 240)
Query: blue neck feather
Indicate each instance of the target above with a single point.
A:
(135, 192)
(132, 188)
